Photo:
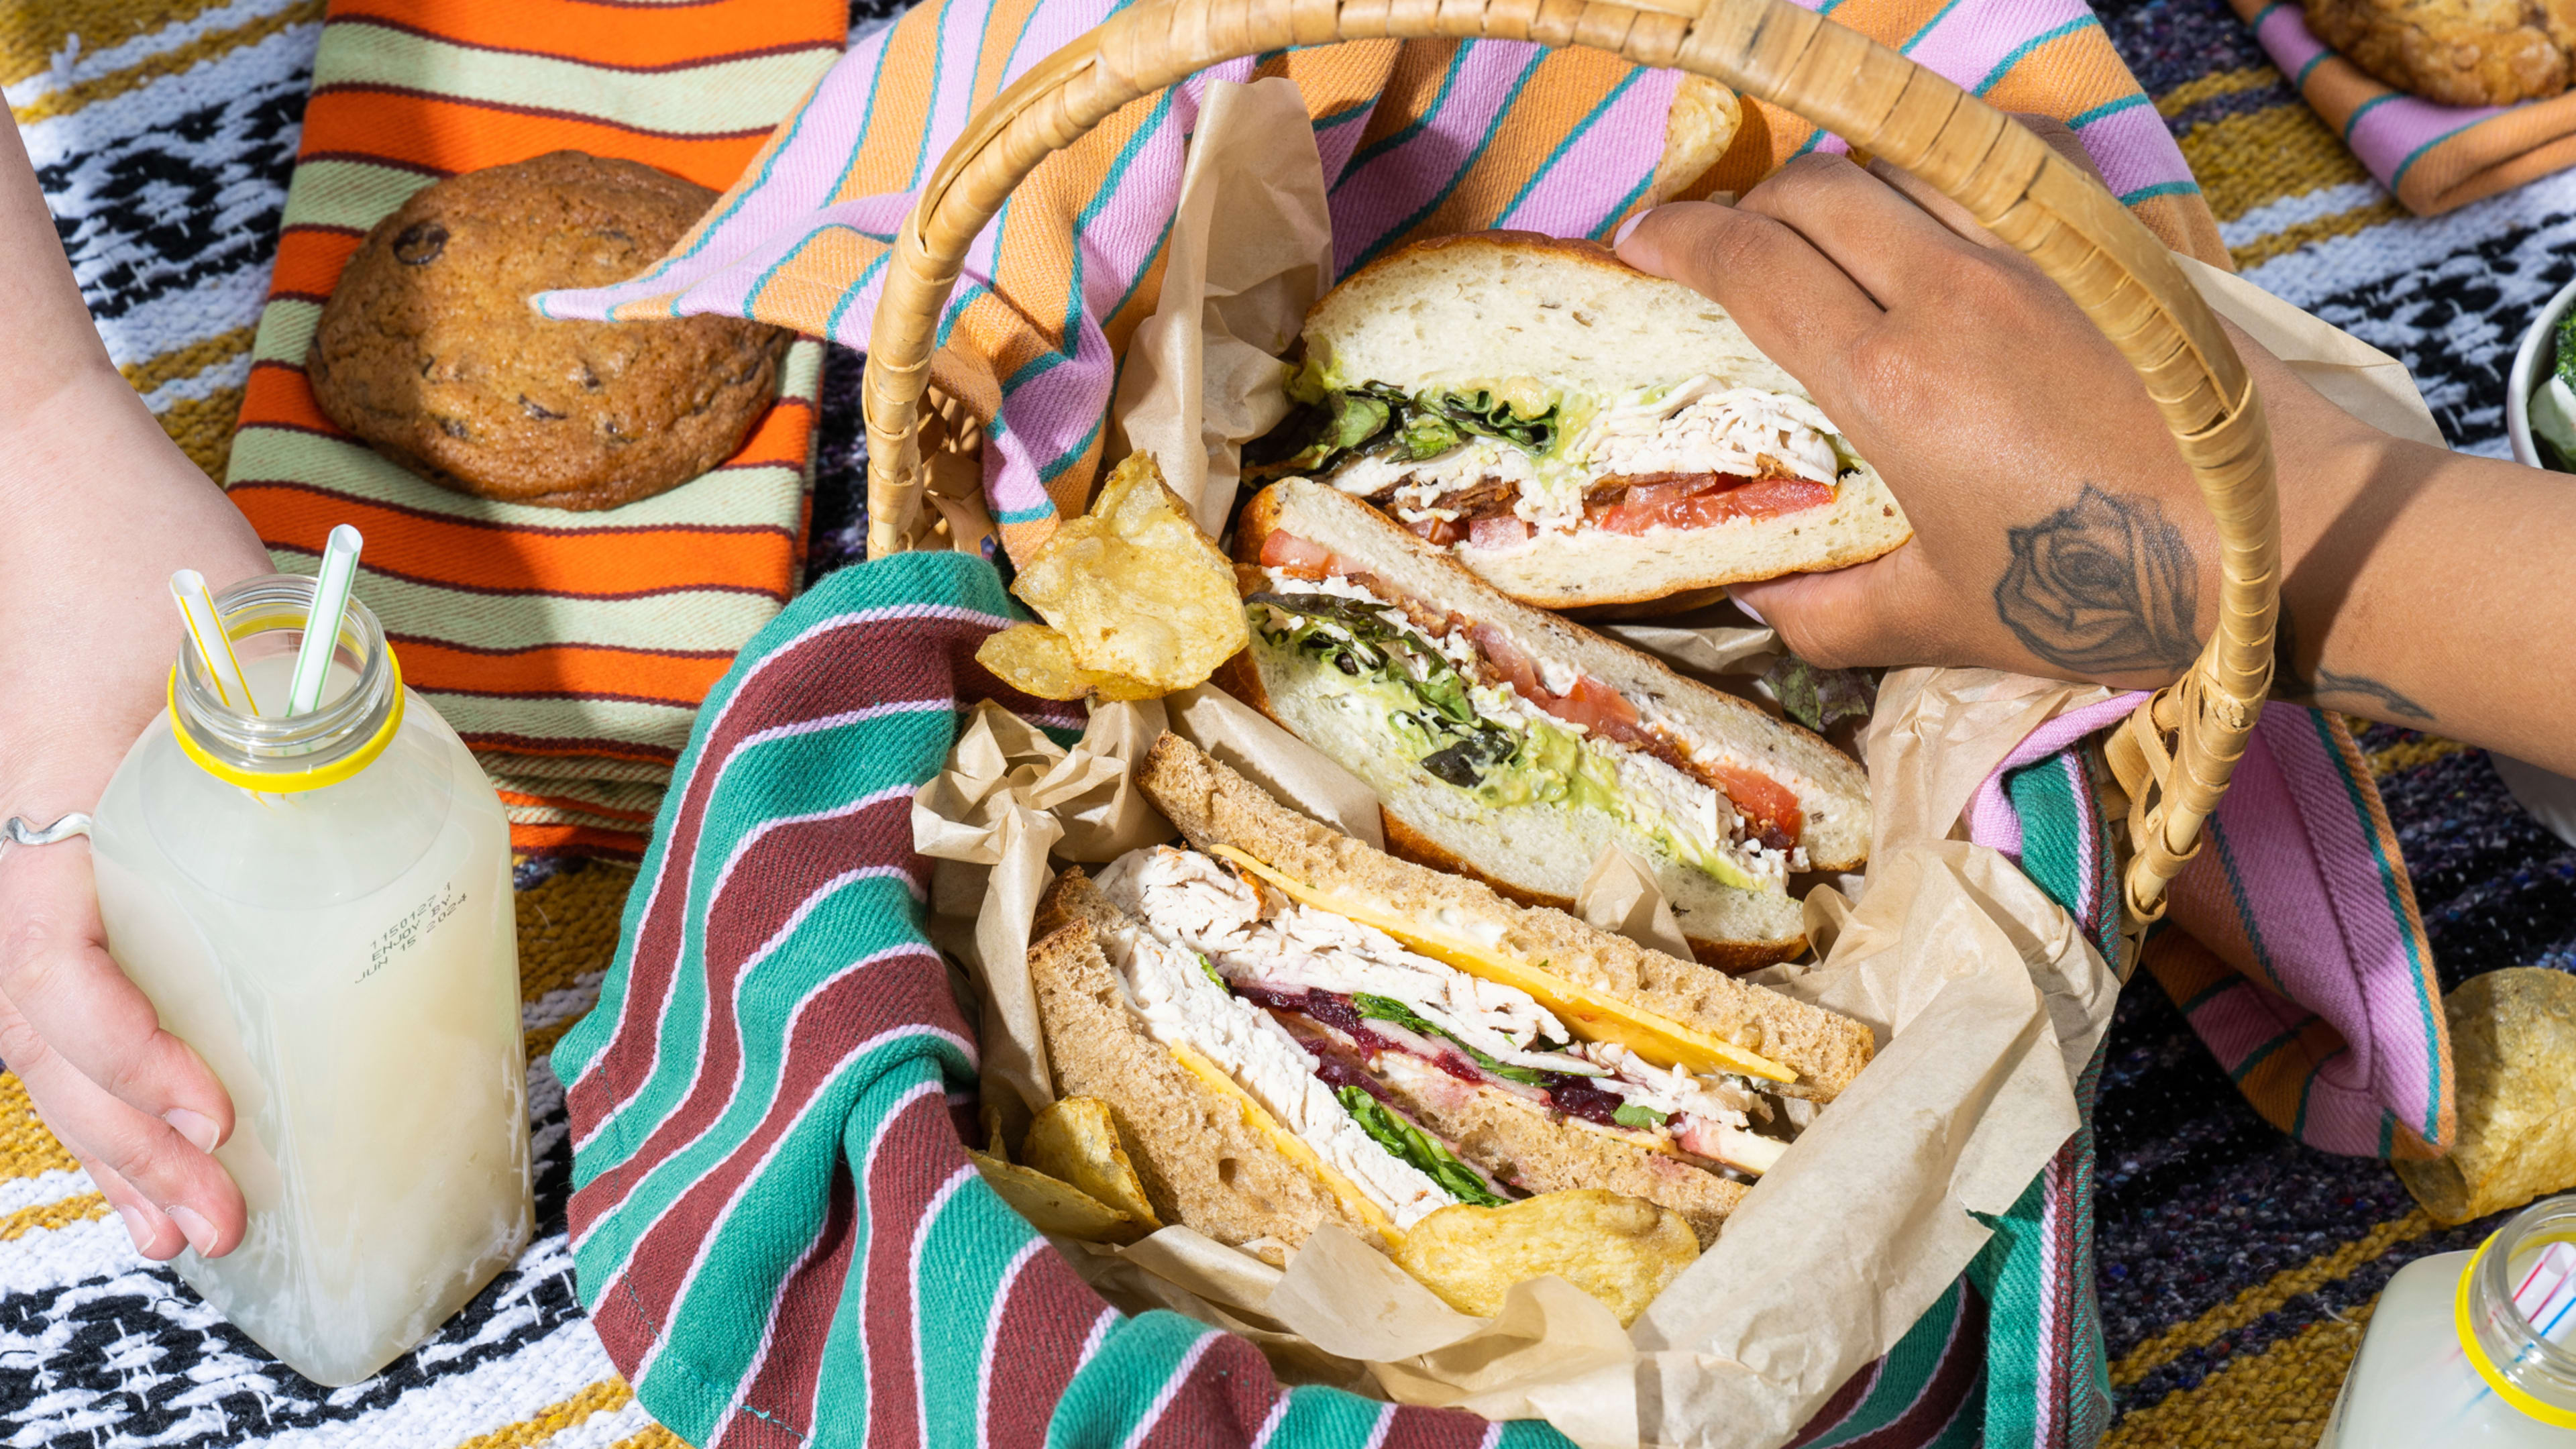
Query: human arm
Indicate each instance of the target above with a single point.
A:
(99, 508)
(2056, 529)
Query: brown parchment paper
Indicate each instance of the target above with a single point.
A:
(1201, 376)
(1986, 999)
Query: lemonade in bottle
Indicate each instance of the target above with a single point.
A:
(320, 905)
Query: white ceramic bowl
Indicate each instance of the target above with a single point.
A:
(2530, 361)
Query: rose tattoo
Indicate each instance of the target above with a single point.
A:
(2105, 585)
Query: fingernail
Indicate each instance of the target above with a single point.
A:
(199, 1232)
(1749, 611)
(1625, 227)
(135, 1227)
(196, 1127)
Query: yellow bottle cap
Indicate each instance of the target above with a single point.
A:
(288, 782)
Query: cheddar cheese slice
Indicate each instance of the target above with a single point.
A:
(1590, 1014)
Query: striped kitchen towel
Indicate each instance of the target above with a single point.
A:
(1419, 139)
(2295, 949)
(569, 649)
(2434, 157)
(773, 1220)
(2292, 942)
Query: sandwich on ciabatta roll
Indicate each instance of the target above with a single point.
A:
(1292, 1028)
(1574, 430)
(1508, 743)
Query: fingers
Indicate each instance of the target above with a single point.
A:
(118, 1090)
(1796, 305)
(1837, 620)
(154, 1235)
(1892, 249)
(56, 973)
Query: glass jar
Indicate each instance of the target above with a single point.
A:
(321, 906)
(2449, 1359)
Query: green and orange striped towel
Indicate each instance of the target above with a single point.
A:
(570, 650)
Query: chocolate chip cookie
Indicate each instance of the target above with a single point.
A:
(429, 350)
(2456, 52)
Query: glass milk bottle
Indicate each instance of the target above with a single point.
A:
(2451, 1360)
(321, 906)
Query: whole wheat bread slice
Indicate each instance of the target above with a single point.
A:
(1200, 1162)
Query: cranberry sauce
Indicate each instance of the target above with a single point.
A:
(1577, 1097)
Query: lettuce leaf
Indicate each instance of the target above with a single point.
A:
(1411, 1144)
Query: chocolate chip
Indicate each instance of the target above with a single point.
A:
(420, 243)
(454, 429)
(539, 410)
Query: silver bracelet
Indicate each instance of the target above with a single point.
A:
(19, 832)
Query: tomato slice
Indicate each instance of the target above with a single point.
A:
(1500, 532)
(1762, 798)
(1294, 556)
(1710, 500)
(1598, 708)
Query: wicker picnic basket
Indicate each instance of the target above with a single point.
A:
(2175, 753)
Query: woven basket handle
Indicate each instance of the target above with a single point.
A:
(2175, 754)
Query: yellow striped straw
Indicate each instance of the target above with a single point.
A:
(214, 646)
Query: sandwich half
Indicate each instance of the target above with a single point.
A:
(1508, 743)
(1574, 430)
(1292, 1028)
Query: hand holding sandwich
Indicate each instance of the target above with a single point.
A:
(2056, 530)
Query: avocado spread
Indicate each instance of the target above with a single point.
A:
(1467, 735)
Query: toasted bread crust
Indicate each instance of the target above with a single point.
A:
(1213, 805)
(1200, 1162)
(1573, 248)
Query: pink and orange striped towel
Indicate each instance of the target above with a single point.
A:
(2434, 157)
(2292, 942)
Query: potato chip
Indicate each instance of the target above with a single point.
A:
(1135, 589)
(1034, 659)
(1076, 1140)
(1621, 1250)
(2513, 1054)
(1056, 1207)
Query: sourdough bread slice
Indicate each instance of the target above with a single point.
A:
(1541, 854)
(1201, 1163)
(1475, 309)
(1212, 805)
